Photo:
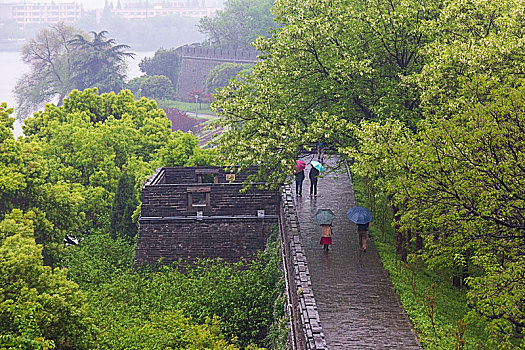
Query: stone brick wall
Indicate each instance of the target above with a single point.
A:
(228, 227)
(167, 200)
(197, 62)
(190, 239)
(191, 220)
(192, 175)
(306, 332)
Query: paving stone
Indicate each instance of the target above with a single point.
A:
(355, 302)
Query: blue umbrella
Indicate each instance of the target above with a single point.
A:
(359, 215)
(317, 165)
(324, 216)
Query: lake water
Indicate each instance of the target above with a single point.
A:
(12, 68)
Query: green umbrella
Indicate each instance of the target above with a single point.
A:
(317, 165)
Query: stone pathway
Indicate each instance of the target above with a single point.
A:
(357, 306)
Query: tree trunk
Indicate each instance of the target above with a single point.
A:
(401, 246)
(419, 242)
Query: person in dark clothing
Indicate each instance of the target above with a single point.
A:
(362, 231)
(320, 151)
(313, 180)
(299, 178)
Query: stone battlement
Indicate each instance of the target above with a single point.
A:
(200, 212)
(231, 55)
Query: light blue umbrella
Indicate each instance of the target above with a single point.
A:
(324, 216)
(359, 215)
(317, 165)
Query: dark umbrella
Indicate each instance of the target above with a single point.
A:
(359, 215)
(324, 216)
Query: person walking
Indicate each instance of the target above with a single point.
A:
(320, 151)
(361, 217)
(362, 231)
(299, 178)
(326, 236)
(312, 175)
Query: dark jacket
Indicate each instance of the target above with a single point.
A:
(313, 174)
(362, 227)
(299, 176)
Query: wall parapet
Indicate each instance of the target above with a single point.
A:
(217, 53)
(306, 331)
(191, 213)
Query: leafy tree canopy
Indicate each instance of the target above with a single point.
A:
(239, 24)
(331, 65)
(35, 300)
(164, 62)
(62, 59)
(156, 87)
(220, 75)
(50, 79)
(99, 62)
(464, 192)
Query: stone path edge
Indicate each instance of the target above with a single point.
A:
(302, 307)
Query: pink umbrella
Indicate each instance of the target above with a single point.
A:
(300, 165)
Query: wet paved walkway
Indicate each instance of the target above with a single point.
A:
(357, 306)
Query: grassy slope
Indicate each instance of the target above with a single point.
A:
(203, 109)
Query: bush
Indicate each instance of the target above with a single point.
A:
(220, 75)
(242, 299)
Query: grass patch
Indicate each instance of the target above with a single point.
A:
(203, 109)
(436, 309)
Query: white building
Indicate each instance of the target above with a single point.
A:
(36, 13)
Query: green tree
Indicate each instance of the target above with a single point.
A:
(463, 191)
(50, 79)
(220, 75)
(62, 59)
(164, 62)
(332, 64)
(100, 62)
(239, 24)
(480, 49)
(134, 85)
(35, 299)
(12, 169)
(125, 203)
(157, 87)
(77, 154)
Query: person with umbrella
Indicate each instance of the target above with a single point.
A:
(362, 217)
(299, 177)
(325, 217)
(313, 174)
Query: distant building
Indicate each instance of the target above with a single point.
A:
(38, 13)
(161, 10)
(143, 10)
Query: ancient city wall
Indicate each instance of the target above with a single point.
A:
(189, 219)
(199, 212)
(197, 62)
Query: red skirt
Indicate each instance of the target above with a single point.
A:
(326, 240)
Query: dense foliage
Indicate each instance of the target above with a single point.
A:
(155, 87)
(239, 24)
(36, 301)
(140, 309)
(331, 64)
(74, 178)
(220, 75)
(63, 59)
(164, 62)
(426, 100)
